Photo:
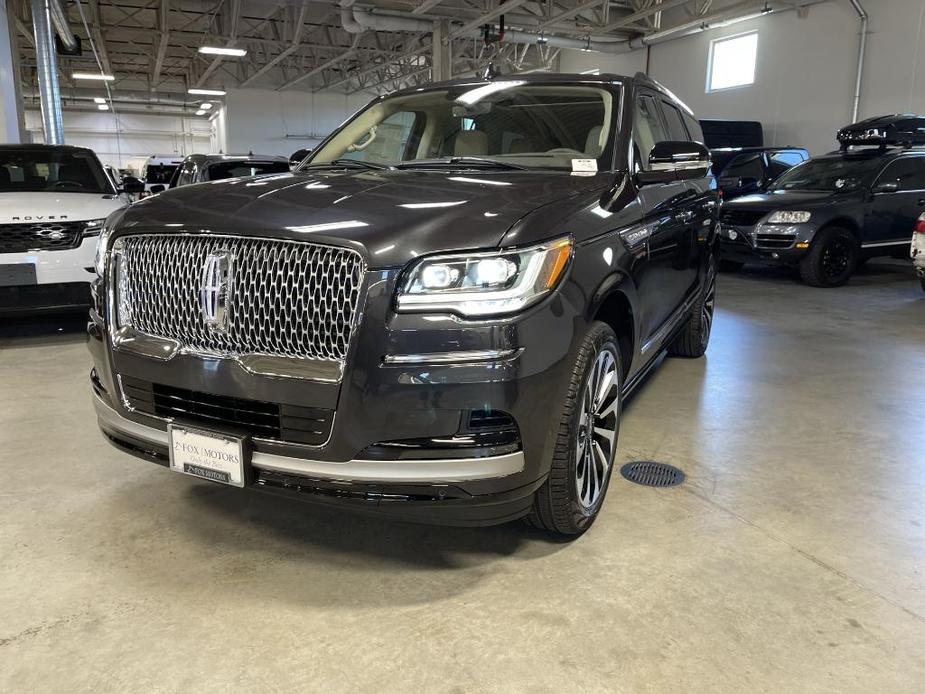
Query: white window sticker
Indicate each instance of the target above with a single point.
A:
(584, 165)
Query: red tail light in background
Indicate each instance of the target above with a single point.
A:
(920, 226)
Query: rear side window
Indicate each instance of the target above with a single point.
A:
(745, 166)
(648, 129)
(693, 128)
(187, 175)
(675, 123)
(908, 173)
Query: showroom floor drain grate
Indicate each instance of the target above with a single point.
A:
(652, 474)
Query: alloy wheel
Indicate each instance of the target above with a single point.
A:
(597, 429)
(835, 258)
(709, 305)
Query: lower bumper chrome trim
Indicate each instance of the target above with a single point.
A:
(422, 471)
(451, 357)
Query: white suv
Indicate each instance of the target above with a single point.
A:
(53, 201)
(918, 249)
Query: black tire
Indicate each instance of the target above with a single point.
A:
(730, 265)
(832, 258)
(560, 506)
(693, 339)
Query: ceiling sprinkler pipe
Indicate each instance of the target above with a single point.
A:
(46, 62)
(862, 49)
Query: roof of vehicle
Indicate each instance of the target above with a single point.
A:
(38, 146)
(214, 158)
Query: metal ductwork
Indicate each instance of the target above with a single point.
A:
(59, 19)
(47, 69)
(355, 21)
(862, 49)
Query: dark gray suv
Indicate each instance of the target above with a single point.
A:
(436, 316)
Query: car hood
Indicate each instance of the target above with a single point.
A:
(56, 207)
(785, 200)
(391, 216)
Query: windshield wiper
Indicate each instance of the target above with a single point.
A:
(482, 162)
(349, 163)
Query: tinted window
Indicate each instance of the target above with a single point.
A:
(159, 173)
(782, 160)
(648, 129)
(744, 166)
(831, 175)
(44, 170)
(908, 173)
(187, 175)
(676, 128)
(235, 169)
(693, 127)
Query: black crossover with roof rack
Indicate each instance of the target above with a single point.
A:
(436, 316)
(831, 213)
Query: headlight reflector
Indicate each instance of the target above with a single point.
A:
(484, 284)
(93, 227)
(102, 243)
(789, 217)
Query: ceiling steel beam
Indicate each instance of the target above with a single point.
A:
(333, 61)
(296, 39)
(163, 24)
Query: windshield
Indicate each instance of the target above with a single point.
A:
(52, 170)
(509, 122)
(830, 175)
(159, 173)
(234, 169)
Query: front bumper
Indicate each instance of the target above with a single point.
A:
(398, 386)
(767, 244)
(62, 280)
(917, 252)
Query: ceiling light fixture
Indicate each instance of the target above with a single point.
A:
(103, 107)
(215, 50)
(206, 106)
(92, 76)
(206, 92)
(99, 100)
(200, 112)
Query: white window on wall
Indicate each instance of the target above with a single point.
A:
(732, 62)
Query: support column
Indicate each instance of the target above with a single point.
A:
(47, 67)
(11, 117)
(442, 56)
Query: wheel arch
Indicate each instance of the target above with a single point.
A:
(848, 223)
(616, 309)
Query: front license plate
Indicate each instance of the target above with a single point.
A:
(17, 274)
(207, 455)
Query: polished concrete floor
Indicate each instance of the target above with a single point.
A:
(792, 559)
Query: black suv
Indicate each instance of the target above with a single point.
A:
(830, 214)
(743, 170)
(200, 168)
(436, 316)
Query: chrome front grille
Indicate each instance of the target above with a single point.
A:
(284, 298)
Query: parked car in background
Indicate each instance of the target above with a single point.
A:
(918, 249)
(829, 214)
(719, 134)
(436, 316)
(113, 174)
(743, 170)
(53, 202)
(158, 171)
(198, 168)
(298, 157)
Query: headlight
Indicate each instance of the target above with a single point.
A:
(485, 284)
(93, 227)
(99, 262)
(789, 217)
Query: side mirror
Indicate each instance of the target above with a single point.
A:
(675, 161)
(886, 187)
(159, 188)
(132, 185)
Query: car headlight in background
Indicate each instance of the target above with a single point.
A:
(485, 284)
(93, 227)
(789, 217)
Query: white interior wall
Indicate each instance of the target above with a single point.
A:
(127, 141)
(805, 72)
(259, 120)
